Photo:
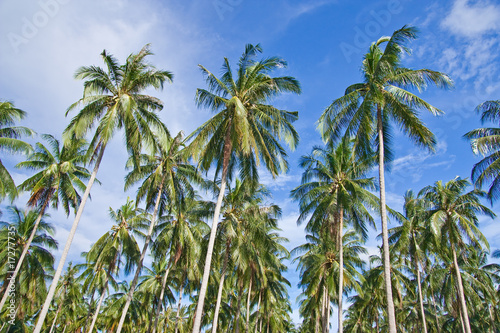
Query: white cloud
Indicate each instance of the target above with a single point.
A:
(411, 167)
(472, 19)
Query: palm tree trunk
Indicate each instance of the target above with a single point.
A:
(72, 232)
(89, 312)
(247, 327)
(55, 317)
(177, 317)
(383, 214)
(238, 311)
(421, 299)
(160, 300)
(211, 241)
(461, 320)
(141, 259)
(341, 266)
(221, 287)
(94, 317)
(435, 311)
(318, 318)
(461, 295)
(325, 311)
(25, 250)
(258, 321)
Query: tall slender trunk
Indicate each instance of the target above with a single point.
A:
(221, 287)
(98, 308)
(25, 250)
(141, 259)
(261, 321)
(177, 317)
(55, 317)
(420, 297)
(435, 311)
(160, 300)
(258, 320)
(461, 320)
(213, 232)
(238, 311)
(383, 214)
(89, 312)
(72, 232)
(247, 327)
(318, 318)
(461, 295)
(341, 266)
(492, 321)
(325, 311)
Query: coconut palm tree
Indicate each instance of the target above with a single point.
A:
(69, 295)
(320, 267)
(409, 239)
(367, 110)
(10, 141)
(246, 130)
(113, 99)
(240, 208)
(115, 248)
(453, 220)
(179, 239)
(334, 187)
(150, 287)
(59, 179)
(167, 180)
(38, 264)
(484, 141)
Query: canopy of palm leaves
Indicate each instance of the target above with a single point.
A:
(484, 141)
(10, 141)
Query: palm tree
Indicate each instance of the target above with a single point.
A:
(409, 239)
(38, 264)
(319, 265)
(367, 109)
(484, 141)
(150, 286)
(179, 239)
(112, 99)
(69, 294)
(245, 130)
(168, 179)
(116, 247)
(245, 239)
(333, 187)
(10, 141)
(58, 180)
(453, 220)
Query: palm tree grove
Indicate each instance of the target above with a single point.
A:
(258, 211)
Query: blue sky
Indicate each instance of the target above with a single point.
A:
(43, 42)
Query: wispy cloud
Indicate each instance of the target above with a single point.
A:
(412, 166)
(472, 19)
